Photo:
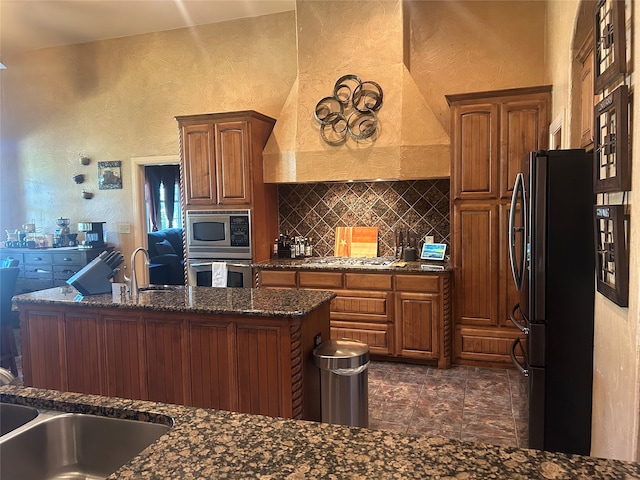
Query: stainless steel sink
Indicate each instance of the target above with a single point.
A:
(74, 446)
(14, 416)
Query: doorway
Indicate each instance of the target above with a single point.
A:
(138, 177)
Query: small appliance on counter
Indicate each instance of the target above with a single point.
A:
(63, 237)
(95, 277)
(93, 234)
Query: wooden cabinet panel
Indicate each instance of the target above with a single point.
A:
(124, 364)
(508, 296)
(84, 355)
(212, 366)
(42, 335)
(475, 226)
(523, 129)
(378, 340)
(199, 174)
(417, 324)
(418, 283)
(232, 162)
(475, 156)
(369, 281)
(261, 356)
(278, 278)
(328, 280)
(489, 347)
(164, 361)
(587, 98)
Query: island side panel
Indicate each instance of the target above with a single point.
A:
(315, 323)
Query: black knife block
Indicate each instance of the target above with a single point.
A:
(93, 279)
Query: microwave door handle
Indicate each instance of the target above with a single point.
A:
(517, 324)
(524, 371)
(517, 273)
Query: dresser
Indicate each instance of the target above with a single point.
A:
(42, 268)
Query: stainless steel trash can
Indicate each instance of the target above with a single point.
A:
(344, 389)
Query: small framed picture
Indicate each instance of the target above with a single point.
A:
(109, 175)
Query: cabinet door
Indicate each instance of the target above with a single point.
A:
(212, 366)
(264, 354)
(124, 357)
(233, 163)
(524, 128)
(84, 353)
(43, 357)
(475, 230)
(198, 164)
(165, 361)
(475, 151)
(587, 101)
(508, 296)
(417, 323)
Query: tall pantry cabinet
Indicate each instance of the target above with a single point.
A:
(491, 132)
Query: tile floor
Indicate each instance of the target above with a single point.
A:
(465, 403)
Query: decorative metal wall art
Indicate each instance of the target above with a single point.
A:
(350, 111)
(611, 142)
(610, 43)
(612, 261)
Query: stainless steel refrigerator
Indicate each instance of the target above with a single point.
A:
(552, 260)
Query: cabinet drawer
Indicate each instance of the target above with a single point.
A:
(43, 272)
(10, 254)
(68, 258)
(278, 278)
(37, 258)
(320, 280)
(368, 281)
(418, 283)
(63, 272)
(361, 306)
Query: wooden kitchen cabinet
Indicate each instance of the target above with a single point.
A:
(252, 364)
(587, 98)
(398, 315)
(221, 157)
(491, 134)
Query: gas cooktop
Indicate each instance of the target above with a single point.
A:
(365, 262)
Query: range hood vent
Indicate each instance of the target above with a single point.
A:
(366, 39)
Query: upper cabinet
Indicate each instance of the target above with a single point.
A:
(587, 97)
(221, 155)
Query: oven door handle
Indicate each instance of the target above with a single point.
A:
(524, 371)
(208, 264)
(517, 324)
(240, 265)
(203, 264)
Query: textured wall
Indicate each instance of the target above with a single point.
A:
(116, 99)
(314, 210)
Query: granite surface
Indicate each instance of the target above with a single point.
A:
(312, 263)
(238, 301)
(219, 444)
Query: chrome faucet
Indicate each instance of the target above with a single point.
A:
(133, 290)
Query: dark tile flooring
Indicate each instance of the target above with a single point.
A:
(465, 403)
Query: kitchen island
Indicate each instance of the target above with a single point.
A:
(219, 444)
(234, 349)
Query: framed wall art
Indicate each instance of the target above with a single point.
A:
(611, 142)
(610, 43)
(612, 260)
(109, 175)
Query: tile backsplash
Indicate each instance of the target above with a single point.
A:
(315, 209)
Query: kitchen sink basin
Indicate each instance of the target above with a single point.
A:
(70, 446)
(14, 416)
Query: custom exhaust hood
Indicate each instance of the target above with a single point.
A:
(367, 39)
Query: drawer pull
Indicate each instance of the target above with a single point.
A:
(67, 259)
(38, 259)
(41, 270)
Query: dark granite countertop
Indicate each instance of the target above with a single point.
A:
(219, 444)
(239, 301)
(397, 266)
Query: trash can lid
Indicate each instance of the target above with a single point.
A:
(341, 348)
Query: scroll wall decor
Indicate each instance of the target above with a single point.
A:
(612, 260)
(350, 111)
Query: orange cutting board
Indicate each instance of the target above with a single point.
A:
(356, 242)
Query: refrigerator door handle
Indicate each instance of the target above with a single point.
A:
(518, 270)
(517, 324)
(524, 371)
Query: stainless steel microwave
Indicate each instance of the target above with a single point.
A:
(218, 234)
